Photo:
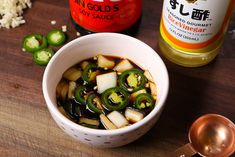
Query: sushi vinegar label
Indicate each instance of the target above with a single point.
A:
(194, 24)
(105, 15)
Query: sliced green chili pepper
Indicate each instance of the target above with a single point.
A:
(94, 104)
(43, 56)
(144, 101)
(34, 42)
(115, 98)
(80, 94)
(89, 73)
(56, 38)
(132, 80)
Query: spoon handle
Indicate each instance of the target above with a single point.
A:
(184, 151)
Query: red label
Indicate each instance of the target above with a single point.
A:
(105, 15)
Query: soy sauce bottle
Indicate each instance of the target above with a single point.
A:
(123, 16)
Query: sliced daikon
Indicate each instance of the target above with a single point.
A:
(72, 74)
(62, 89)
(72, 86)
(106, 81)
(153, 89)
(123, 66)
(59, 87)
(84, 64)
(133, 116)
(105, 62)
(148, 75)
(106, 122)
(88, 121)
(117, 119)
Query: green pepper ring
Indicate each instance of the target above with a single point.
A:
(78, 94)
(122, 80)
(60, 42)
(42, 41)
(144, 96)
(108, 105)
(90, 104)
(38, 58)
(85, 73)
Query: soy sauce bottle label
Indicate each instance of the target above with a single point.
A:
(105, 15)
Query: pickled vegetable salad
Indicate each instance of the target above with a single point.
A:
(106, 93)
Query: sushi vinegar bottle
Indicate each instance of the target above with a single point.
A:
(192, 31)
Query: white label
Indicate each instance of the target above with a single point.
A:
(194, 22)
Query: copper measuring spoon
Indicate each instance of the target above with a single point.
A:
(211, 135)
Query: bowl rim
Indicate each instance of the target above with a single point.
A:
(54, 110)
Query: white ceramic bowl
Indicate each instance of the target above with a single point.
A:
(108, 44)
